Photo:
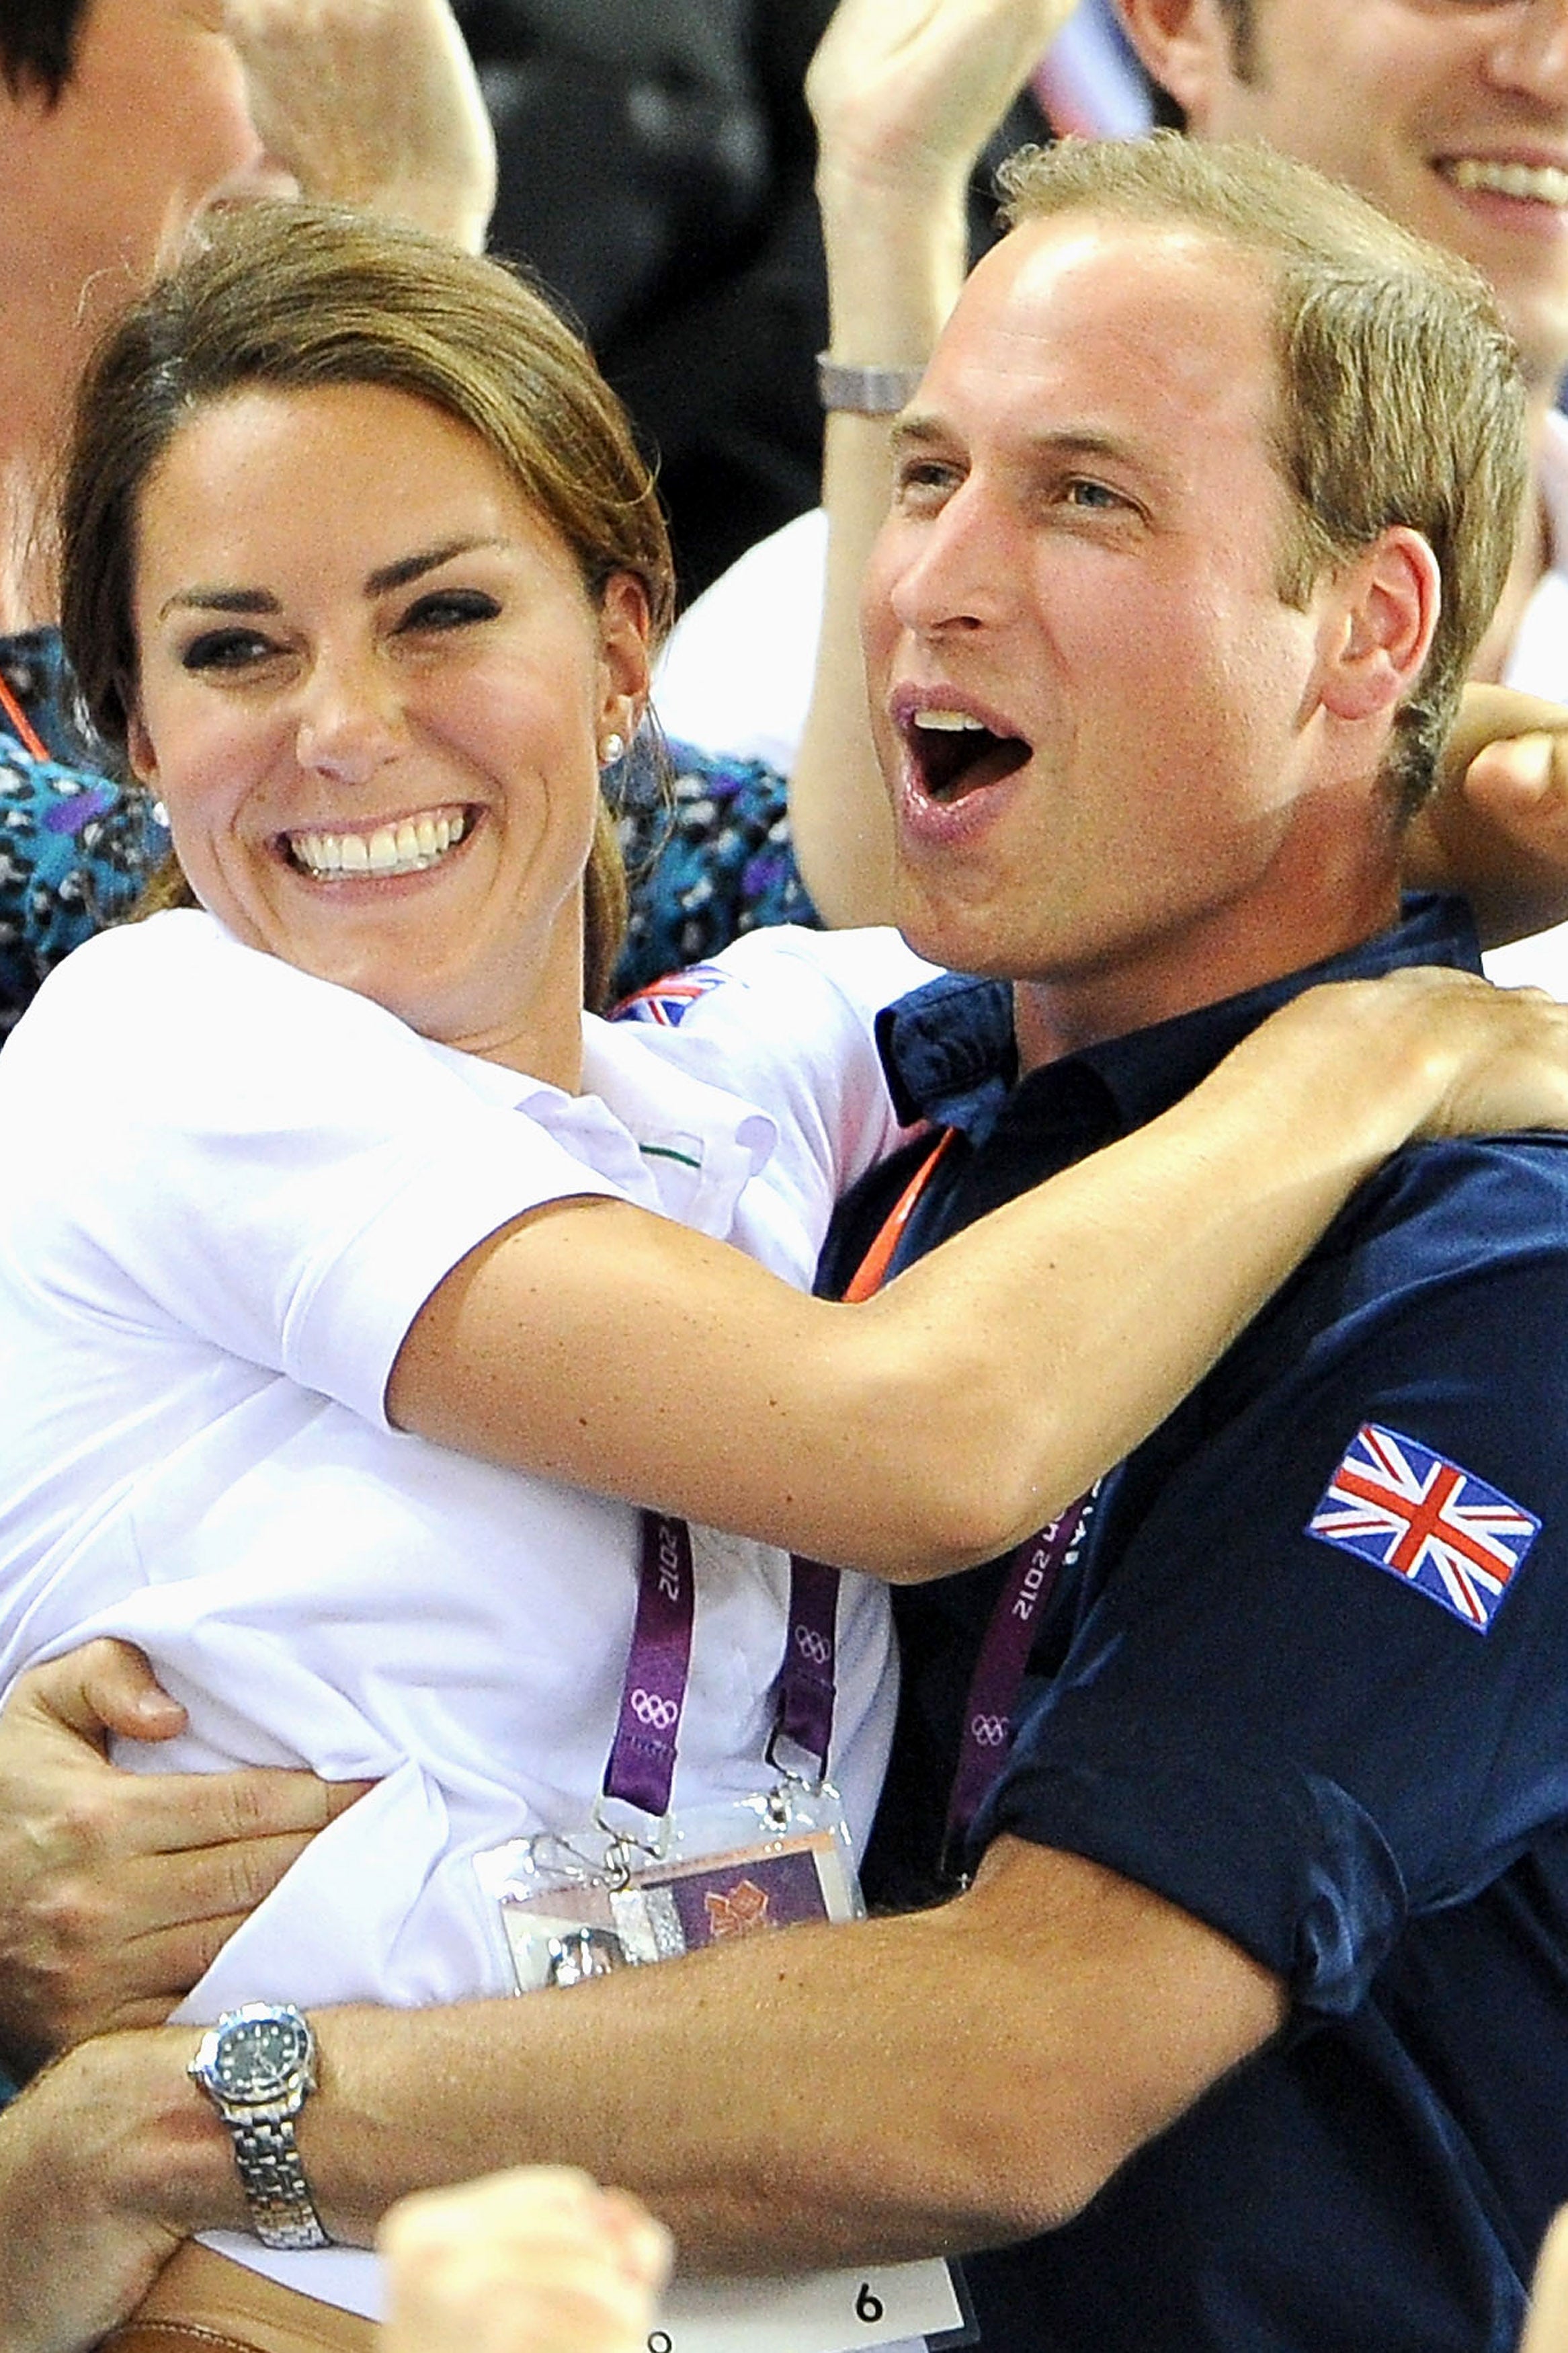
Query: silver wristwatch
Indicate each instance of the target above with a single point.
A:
(258, 2066)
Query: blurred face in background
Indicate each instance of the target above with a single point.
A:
(1451, 115)
(152, 125)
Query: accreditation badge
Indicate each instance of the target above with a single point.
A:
(580, 1904)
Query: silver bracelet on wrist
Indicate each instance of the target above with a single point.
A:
(864, 391)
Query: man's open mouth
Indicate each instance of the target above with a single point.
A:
(955, 754)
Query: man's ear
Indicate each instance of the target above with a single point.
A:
(1382, 610)
(1185, 46)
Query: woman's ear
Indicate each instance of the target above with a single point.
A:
(140, 751)
(625, 661)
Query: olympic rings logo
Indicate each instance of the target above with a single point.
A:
(659, 1714)
(813, 1646)
(990, 1731)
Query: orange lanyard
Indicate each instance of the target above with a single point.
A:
(27, 733)
(872, 1272)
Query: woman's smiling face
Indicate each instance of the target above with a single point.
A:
(372, 691)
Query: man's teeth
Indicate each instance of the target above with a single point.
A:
(407, 847)
(1542, 182)
(950, 723)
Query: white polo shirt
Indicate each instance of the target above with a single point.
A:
(227, 1190)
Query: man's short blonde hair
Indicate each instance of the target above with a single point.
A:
(1399, 396)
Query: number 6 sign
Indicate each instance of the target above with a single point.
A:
(895, 2307)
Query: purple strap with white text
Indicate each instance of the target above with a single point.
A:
(642, 1759)
(999, 1671)
(641, 1769)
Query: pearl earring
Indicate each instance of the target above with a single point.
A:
(612, 749)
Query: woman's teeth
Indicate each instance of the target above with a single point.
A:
(407, 847)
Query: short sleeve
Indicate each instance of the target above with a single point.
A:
(1260, 1716)
(786, 1018)
(226, 1148)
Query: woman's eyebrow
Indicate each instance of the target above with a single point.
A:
(221, 600)
(377, 584)
(414, 567)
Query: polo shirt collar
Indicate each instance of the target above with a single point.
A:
(951, 1057)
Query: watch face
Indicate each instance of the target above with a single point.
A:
(257, 2056)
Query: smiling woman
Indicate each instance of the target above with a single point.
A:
(301, 633)
(384, 726)
(341, 1334)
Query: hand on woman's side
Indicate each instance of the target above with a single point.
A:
(536, 2260)
(117, 1888)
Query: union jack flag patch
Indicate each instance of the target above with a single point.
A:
(667, 1002)
(1395, 1503)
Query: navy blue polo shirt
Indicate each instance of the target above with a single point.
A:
(1295, 1685)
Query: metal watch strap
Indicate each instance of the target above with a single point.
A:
(864, 391)
(272, 2175)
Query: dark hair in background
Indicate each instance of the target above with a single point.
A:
(38, 44)
(290, 298)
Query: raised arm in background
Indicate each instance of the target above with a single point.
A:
(905, 94)
(373, 102)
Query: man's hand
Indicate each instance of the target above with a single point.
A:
(94, 2156)
(373, 102)
(536, 2260)
(117, 1889)
(1497, 826)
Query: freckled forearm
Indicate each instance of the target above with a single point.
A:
(745, 2095)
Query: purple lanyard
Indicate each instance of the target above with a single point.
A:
(999, 1669)
(641, 1770)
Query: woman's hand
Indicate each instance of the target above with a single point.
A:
(1546, 2331)
(1457, 1056)
(537, 2261)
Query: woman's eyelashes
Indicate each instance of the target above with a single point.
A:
(450, 609)
(225, 650)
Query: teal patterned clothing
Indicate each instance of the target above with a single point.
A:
(75, 849)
